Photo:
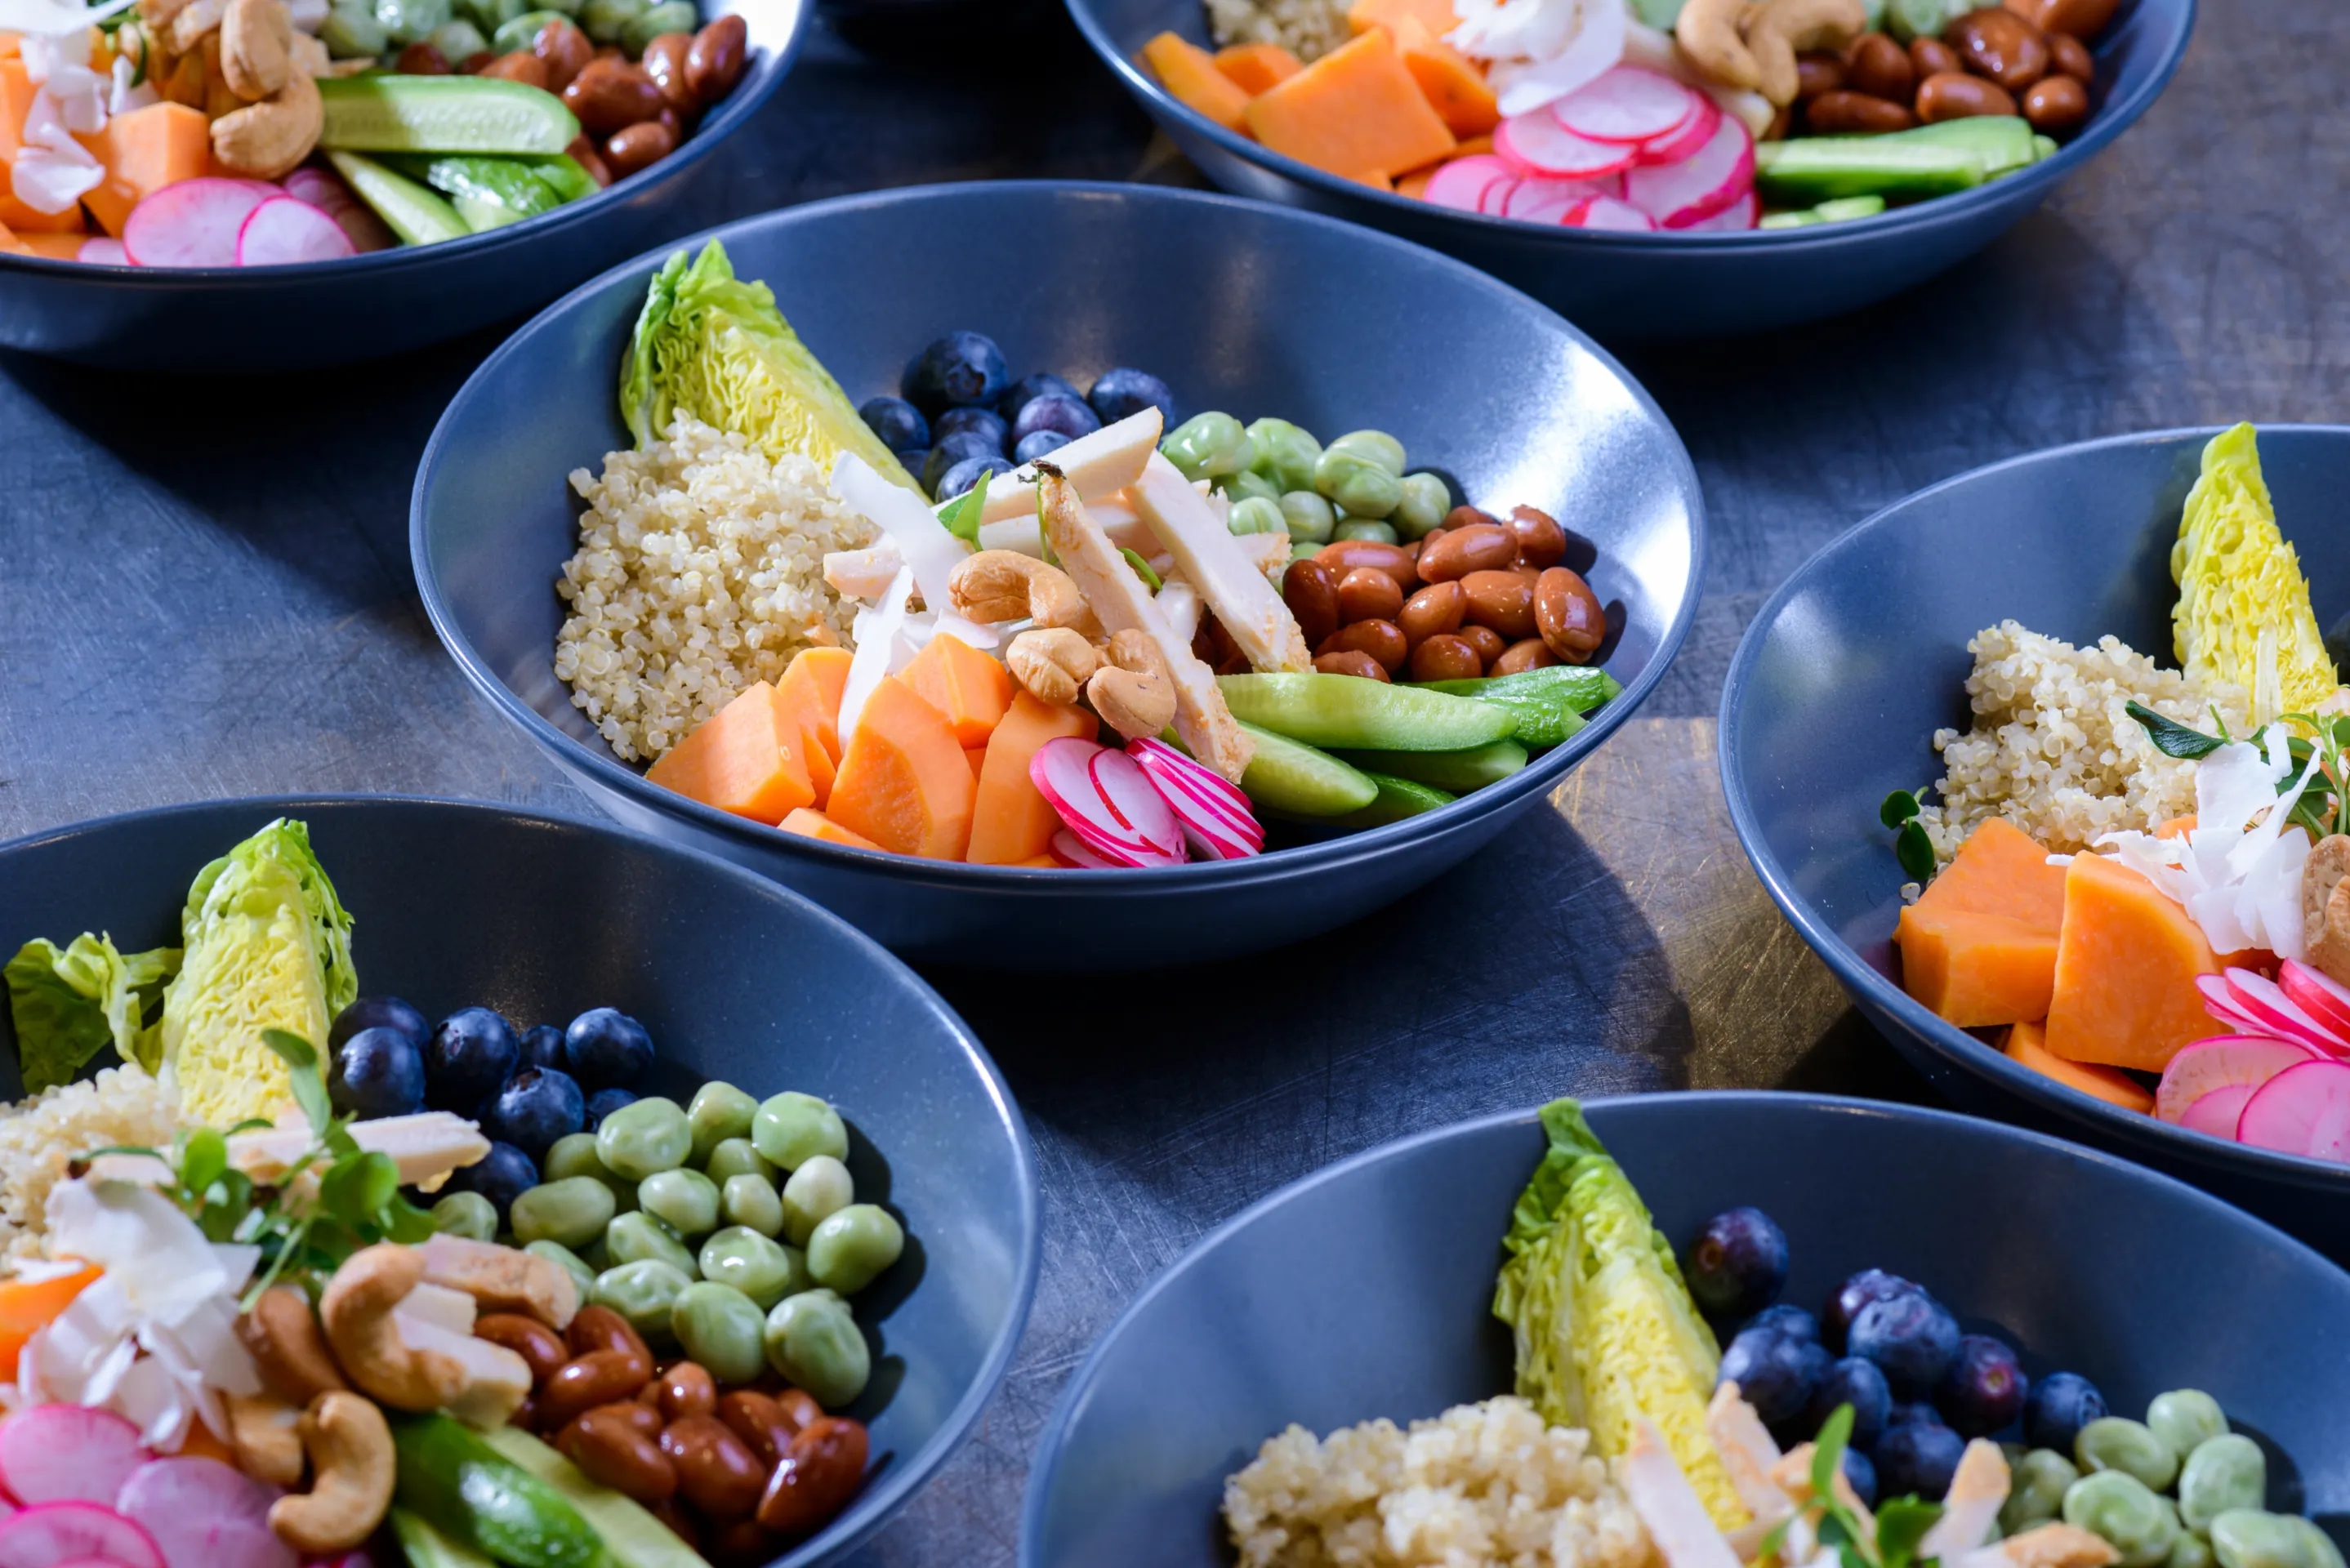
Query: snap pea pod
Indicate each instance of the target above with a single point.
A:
(1472, 768)
(1549, 702)
(488, 193)
(632, 1536)
(415, 212)
(1819, 167)
(1841, 210)
(1346, 710)
(1397, 799)
(1290, 777)
(426, 1547)
(469, 1491)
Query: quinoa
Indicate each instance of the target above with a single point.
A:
(1480, 1484)
(699, 573)
(1306, 28)
(2054, 749)
(39, 1137)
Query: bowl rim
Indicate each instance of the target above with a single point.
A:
(764, 72)
(894, 1490)
(2034, 180)
(608, 772)
(1877, 991)
(1053, 1440)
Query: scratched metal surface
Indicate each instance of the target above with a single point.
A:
(204, 591)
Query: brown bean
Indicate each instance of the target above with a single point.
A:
(746, 1543)
(2000, 45)
(680, 1523)
(1540, 540)
(1382, 639)
(1502, 600)
(716, 1470)
(1484, 640)
(2067, 55)
(819, 1476)
(1877, 66)
(609, 95)
(1957, 95)
(759, 1421)
(1434, 611)
(2081, 19)
(1530, 654)
(615, 1451)
(583, 153)
(1350, 661)
(1816, 74)
(2056, 105)
(715, 64)
(1310, 589)
(477, 62)
(638, 146)
(1445, 658)
(664, 61)
(422, 58)
(1932, 57)
(1342, 556)
(1479, 547)
(1569, 615)
(564, 49)
(599, 1377)
(527, 1337)
(1856, 114)
(1466, 517)
(520, 66)
(686, 1389)
(601, 1328)
(799, 1408)
(1369, 594)
(670, 117)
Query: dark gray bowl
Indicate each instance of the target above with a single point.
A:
(1625, 287)
(457, 904)
(260, 320)
(1237, 305)
(1834, 695)
(1365, 1289)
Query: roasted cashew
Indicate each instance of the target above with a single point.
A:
(1134, 693)
(1052, 663)
(256, 38)
(191, 22)
(2058, 1545)
(2325, 907)
(357, 1311)
(282, 1334)
(265, 1432)
(1004, 585)
(1776, 31)
(263, 140)
(350, 1445)
(1708, 32)
(502, 1279)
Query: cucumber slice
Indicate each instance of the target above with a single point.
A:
(563, 175)
(1459, 772)
(633, 1537)
(1549, 702)
(1294, 779)
(488, 193)
(1397, 799)
(1347, 710)
(425, 1547)
(1820, 168)
(2003, 141)
(416, 214)
(442, 114)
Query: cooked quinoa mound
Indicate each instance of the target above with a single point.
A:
(1480, 1485)
(39, 1137)
(1306, 28)
(2054, 749)
(699, 573)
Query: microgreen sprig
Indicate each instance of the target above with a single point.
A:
(1910, 845)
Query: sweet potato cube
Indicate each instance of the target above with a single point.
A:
(971, 688)
(809, 700)
(1976, 970)
(809, 823)
(1452, 83)
(741, 761)
(903, 781)
(2125, 968)
(1190, 73)
(143, 151)
(1999, 870)
(1011, 822)
(1355, 110)
(57, 247)
(2028, 1044)
(1437, 17)
(1256, 67)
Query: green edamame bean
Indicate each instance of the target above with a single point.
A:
(2248, 1538)
(851, 1247)
(684, 1200)
(812, 1340)
(722, 1328)
(489, 15)
(669, 17)
(603, 20)
(1426, 500)
(719, 1111)
(1209, 446)
(1308, 517)
(517, 32)
(572, 1211)
(411, 21)
(1286, 453)
(764, 1270)
(736, 1157)
(1370, 528)
(644, 1137)
(2189, 1551)
(2118, 1443)
(752, 1202)
(1356, 484)
(2121, 1509)
(1908, 19)
(2316, 1545)
(351, 30)
(816, 1191)
(467, 1214)
(457, 40)
(1257, 516)
(793, 1127)
(571, 1263)
(634, 1238)
(1302, 550)
(573, 1154)
(644, 1293)
(2036, 1487)
(1248, 484)
(2225, 1472)
(2185, 1418)
(1375, 445)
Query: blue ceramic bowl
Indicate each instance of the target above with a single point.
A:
(1834, 695)
(1238, 306)
(260, 320)
(541, 918)
(1365, 1289)
(1624, 286)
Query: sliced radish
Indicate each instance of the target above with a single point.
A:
(1202, 802)
(2224, 1061)
(2319, 994)
(1540, 201)
(1537, 144)
(64, 1453)
(1173, 770)
(1070, 850)
(1699, 186)
(194, 223)
(1496, 196)
(2220, 1112)
(1134, 801)
(1740, 215)
(1684, 140)
(1628, 103)
(1459, 184)
(2249, 994)
(1062, 771)
(1609, 215)
(205, 1514)
(56, 1534)
(2302, 1110)
(320, 188)
(281, 232)
(104, 251)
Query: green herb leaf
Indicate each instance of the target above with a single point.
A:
(292, 1049)
(1901, 806)
(961, 518)
(203, 1160)
(1773, 1539)
(1828, 1452)
(406, 1223)
(250, 1124)
(2171, 737)
(356, 1191)
(1915, 851)
(1901, 1524)
(1141, 569)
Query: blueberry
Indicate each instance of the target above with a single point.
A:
(1737, 1264)
(1036, 443)
(1018, 395)
(378, 1071)
(1910, 1412)
(538, 1105)
(1788, 1319)
(1124, 392)
(1072, 417)
(1913, 1337)
(603, 1103)
(955, 372)
(1918, 1461)
(1984, 1388)
(1774, 1373)
(1868, 1285)
(542, 1047)
(377, 1013)
(950, 451)
(503, 1175)
(1861, 1474)
(984, 422)
(2058, 1407)
(898, 422)
(470, 1055)
(913, 460)
(607, 1049)
(1861, 1385)
(959, 480)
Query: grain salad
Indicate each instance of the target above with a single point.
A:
(699, 572)
(1306, 28)
(40, 1138)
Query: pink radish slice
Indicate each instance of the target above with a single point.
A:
(282, 231)
(1459, 183)
(2302, 1110)
(1608, 215)
(2224, 1061)
(1684, 142)
(320, 188)
(1699, 186)
(56, 1534)
(64, 1453)
(205, 1514)
(1495, 196)
(104, 251)
(2254, 995)
(1628, 103)
(2219, 1112)
(2318, 994)
(1546, 201)
(1062, 772)
(1134, 801)
(1740, 215)
(1070, 850)
(1537, 144)
(1209, 824)
(191, 223)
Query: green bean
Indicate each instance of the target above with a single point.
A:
(2316, 1544)
(644, 1137)
(1257, 516)
(573, 1154)
(2248, 1538)
(411, 21)
(1286, 453)
(1377, 445)
(718, 1112)
(571, 1211)
(671, 17)
(2185, 1418)
(739, 1156)
(1309, 518)
(1301, 550)
(457, 40)
(1248, 484)
(351, 31)
(791, 1128)
(2123, 1509)
(1209, 446)
(568, 1260)
(644, 1293)
(517, 32)
(813, 1341)
(817, 1190)
(852, 1247)
(467, 1214)
(1426, 500)
(766, 1271)
(1357, 484)
(633, 1238)
(2118, 1443)
(2189, 1551)
(1370, 528)
(752, 1202)
(2036, 1492)
(2225, 1472)
(722, 1328)
(604, 20)
(684, 1200)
